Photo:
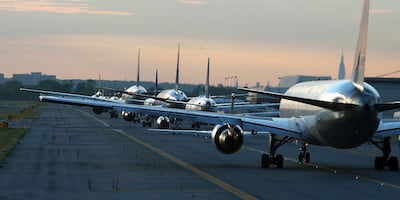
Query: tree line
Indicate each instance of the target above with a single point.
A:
(10, 89)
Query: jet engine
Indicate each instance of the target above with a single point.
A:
(227, 138)
(128, 116)
(163, 122)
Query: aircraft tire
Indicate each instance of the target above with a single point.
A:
(393, 164)
(279, 161)
(265, 161)
(379, 163)
(307, 157)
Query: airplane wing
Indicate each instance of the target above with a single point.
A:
(336, 106)
(227, 107)
(204, 133)
(388, 128)
(68, 95)
(279, 126)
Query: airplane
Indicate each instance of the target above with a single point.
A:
(169, 98)
(207, 103)
(336, 113)
(131, 93)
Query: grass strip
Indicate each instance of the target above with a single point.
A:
(9, 138)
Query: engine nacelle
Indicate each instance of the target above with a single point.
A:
(128, 116)
(99, 110)
(163, 122)
(227, 138)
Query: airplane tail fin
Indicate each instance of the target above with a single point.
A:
(177, 71)
(156, 86)
(359, 59)
(206, 87)
(138, 70)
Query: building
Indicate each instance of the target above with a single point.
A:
(33, 78)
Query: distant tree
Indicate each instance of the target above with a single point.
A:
(86, 88)
(10, 91)
(67, 86)
(51, 85)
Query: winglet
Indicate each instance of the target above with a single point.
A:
(206, 87)
(138, 69)
(177, 71)
(359, 59)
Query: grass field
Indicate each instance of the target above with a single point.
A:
(9, 138)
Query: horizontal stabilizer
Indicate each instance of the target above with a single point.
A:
(335, 106)
(387, 106)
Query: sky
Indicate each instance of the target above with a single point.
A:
(254, 40)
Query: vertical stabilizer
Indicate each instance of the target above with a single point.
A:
(359, 59)
(138, 70)
(206, 87)
(177, 71)
(156, 84)
(342, 69)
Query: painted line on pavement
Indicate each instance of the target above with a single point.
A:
(226, 186)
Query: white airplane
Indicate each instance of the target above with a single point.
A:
(207, 103)
(130, 94)
(336, 113)
(169, 98)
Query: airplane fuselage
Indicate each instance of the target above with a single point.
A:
(171, 95)
(132, 91)
(201, 103)
(346, 128)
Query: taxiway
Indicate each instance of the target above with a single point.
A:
(71, 153)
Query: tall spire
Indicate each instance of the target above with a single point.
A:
(342, 69)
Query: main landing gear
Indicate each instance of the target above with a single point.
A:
(113, 114)
(385, 160)
(272, 158)
(304, 155)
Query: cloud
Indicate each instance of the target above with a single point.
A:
(197, 2)
(63, 7)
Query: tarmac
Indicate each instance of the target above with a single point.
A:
(72, 153)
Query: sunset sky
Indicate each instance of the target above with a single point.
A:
(255, 40)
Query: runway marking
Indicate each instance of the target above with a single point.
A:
(358, 177)
(226, 186)
(94, 118)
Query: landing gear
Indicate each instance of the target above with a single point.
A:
(147, 121)
(195, 125)
(113, 114)
(273, 158)
(385, 160)
(304, 155)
